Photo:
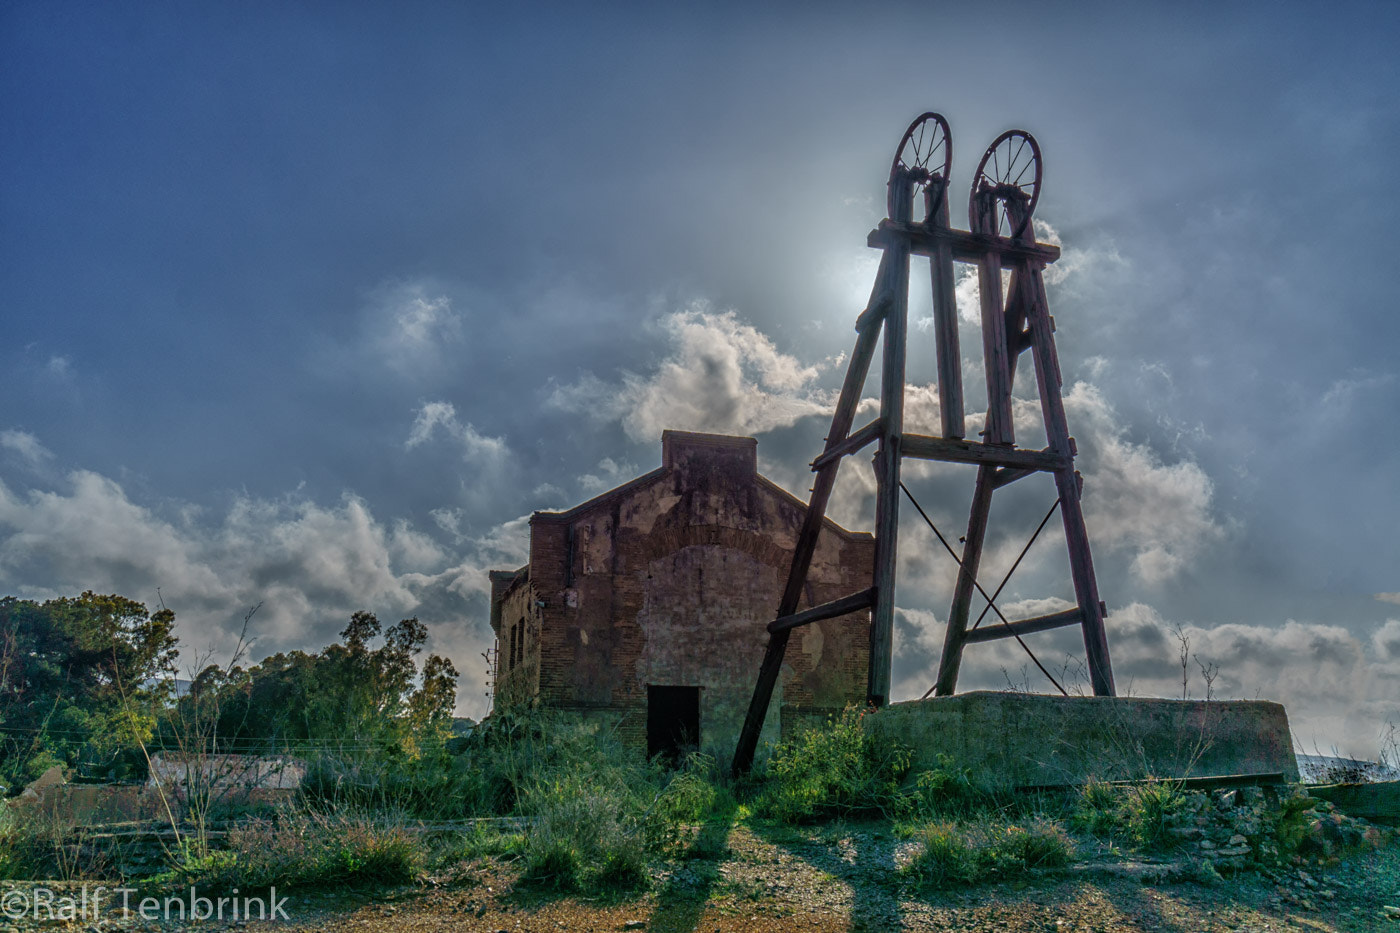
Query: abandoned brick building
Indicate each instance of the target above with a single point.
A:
(646, 607)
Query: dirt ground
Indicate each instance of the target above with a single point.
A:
(845, 879)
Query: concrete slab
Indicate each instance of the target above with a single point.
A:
(1017, 739)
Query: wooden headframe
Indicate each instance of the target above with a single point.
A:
(1012, 322)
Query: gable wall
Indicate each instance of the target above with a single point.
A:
(674, 582)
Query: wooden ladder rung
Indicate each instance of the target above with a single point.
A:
(837, 607)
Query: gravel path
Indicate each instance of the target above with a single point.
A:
(844, 879)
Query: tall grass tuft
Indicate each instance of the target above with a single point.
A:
(585, 833)
(1148, 810)
(308, 848)
(835, 770)
(1098, 809)
(945, 790)
(961, 853)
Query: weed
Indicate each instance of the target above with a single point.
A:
(307, 848)
(1145, 813)
(954, 853)
(1291, 825)
(1042, 844)
(480, 841)
(47, 845)
(1148, 809)
(945, 789)
(948, 856)
(584, 832)
(1098, 809)
(833, 770)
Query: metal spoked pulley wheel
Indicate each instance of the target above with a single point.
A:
(925, 152)
(1009, 171)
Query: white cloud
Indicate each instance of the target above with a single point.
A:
(411, 329)
(607, 474)
(1344, 393)
(1102, 261)
(1337, 687)
(720, 375)
(477, 448)
(1160, 513)
(449, 520)
(967, 293)
(309, 564)
(1386, 641)
(1389, 598)
(26, 447)
(408, 332)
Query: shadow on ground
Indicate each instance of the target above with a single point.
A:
(681, 902)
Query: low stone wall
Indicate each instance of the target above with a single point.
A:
(1019, 739)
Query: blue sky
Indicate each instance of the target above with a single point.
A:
(312, 304)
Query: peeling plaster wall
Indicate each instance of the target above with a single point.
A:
(671, 580)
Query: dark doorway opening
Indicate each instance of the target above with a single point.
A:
(673, 722)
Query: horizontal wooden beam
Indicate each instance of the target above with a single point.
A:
(853, 442)
(956, 450)
(839, 607)
(966, 247)
(1025, 626)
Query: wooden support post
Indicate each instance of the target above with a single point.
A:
(956, 633)
(1081, 561)
(887, 460)
(945, 316)
(806, 546)
(1050, 384)
(1018, 339)
(995, 351)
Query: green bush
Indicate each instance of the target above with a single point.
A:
(478, 841)
(21, 850)
(1291, 826)
(944, 789)
(832, 771)
(691, 798)
(691, 795)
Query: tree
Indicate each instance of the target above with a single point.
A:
(82, 680)
(364, 692)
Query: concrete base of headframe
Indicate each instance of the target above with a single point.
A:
(1021, 739)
